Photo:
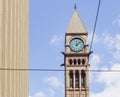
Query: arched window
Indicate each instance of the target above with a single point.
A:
(83, 61)
(79, 61)
(75, 62)
(83, 76)
(71, 79)
(70, 61)
(76, 79)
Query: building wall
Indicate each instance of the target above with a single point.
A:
(14, 48)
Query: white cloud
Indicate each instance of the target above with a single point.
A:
(116, 55)
(95, 60)
(40, 94)
(108, 92)
(113, 42)
(50, 93)
(110, 78)
(53, 81)
(90, 35)
(117, 42)
(111, 81)
(56, 40)
(116, 45)
(117, 21)
(108, 40)
(54, 84)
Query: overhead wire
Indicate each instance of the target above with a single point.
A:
(53, 70)
(96, 19)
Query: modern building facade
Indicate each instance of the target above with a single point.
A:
(14, 48)
(76, 59)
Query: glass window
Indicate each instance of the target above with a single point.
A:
(83, 76)
(76, 79)
(71, 79)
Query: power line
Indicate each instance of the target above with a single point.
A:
(95, 24)
(8, 69)
(53, 70)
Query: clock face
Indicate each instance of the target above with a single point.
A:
(76, 44)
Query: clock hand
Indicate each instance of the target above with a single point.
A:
(77, 43)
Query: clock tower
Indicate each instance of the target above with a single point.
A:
(76, 59)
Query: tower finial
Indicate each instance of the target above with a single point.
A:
(75, 7)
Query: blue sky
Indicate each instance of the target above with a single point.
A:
(49, 20)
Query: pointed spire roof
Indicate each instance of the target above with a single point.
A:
(76, 25)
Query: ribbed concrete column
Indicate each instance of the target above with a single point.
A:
(0, 43)
(14, 47)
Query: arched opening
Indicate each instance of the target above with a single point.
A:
(79, 61)
(75, 62)
(83, 76)
(71, 79)
(70, 61)
(83, 61)
(76, 79)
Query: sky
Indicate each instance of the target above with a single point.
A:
(48, 22)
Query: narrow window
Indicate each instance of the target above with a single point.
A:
(76, 79)
(79, 61)
(71, 79)
(83, 61)
(83, 81)
(70, 61)
(74, 61)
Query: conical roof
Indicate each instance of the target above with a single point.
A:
(76, 25)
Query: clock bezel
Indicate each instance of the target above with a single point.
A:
(74, 49)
